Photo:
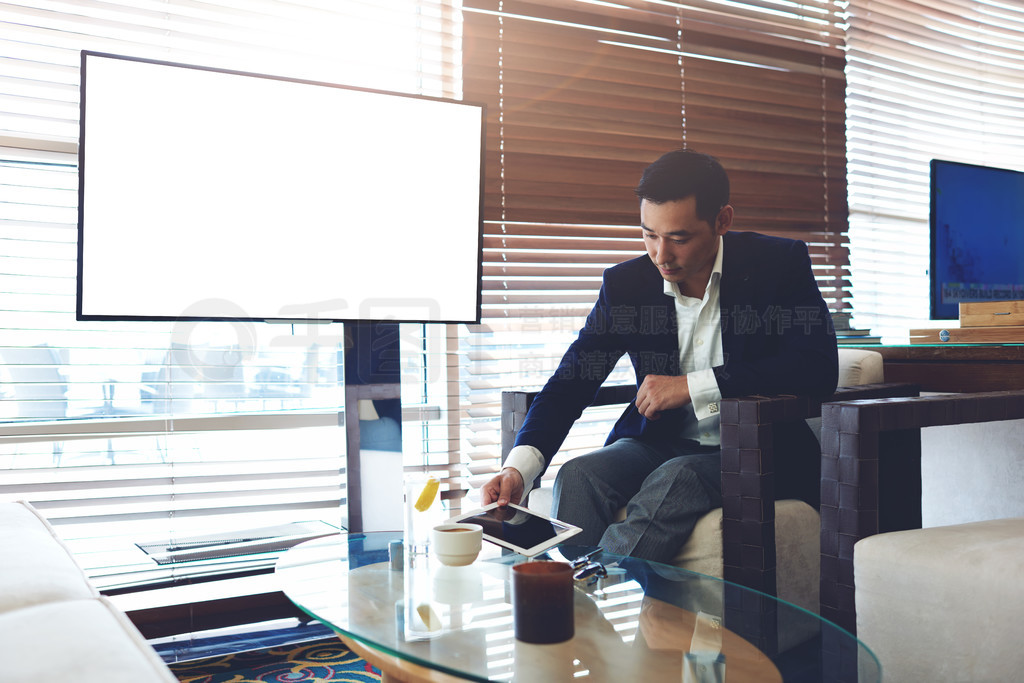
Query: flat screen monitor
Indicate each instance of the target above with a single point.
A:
(977, 236)
(207, 194)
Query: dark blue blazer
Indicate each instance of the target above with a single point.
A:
(777, 338)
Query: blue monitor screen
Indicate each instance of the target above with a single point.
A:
(977, 236)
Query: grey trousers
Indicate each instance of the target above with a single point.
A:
(665, 489)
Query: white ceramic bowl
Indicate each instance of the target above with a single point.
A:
(456, 544)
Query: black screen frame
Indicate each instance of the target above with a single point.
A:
(936, 166)
(83, 231)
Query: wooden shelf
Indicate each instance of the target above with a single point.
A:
(954, 367)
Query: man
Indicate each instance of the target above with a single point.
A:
(707, 314)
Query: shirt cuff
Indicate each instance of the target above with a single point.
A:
(704, 393)
(530, 463)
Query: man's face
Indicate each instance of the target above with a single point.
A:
(682, 246)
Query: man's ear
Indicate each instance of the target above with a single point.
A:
(724, 220)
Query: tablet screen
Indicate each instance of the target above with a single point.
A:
(517, 526)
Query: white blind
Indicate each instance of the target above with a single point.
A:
(403, 45)
(123, 433)
(926, 79)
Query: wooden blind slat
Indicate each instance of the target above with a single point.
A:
(577, 109)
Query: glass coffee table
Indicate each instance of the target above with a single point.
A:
(418, 620)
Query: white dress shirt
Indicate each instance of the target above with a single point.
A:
(699, 328)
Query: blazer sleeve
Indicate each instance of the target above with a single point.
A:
(584, 367)
(778, 336)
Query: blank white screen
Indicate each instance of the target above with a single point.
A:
(209, 194)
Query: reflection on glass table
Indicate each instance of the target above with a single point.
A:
(420, 620)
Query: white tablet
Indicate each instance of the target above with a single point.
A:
(517, 528)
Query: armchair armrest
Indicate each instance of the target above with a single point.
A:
(868, 446)
(748, 475)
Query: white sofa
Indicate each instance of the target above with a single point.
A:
(53, 624)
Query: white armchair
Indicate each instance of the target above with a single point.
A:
(934, 604)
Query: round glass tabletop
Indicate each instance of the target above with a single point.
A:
(415, 617)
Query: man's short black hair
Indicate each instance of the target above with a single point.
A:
(685, 173)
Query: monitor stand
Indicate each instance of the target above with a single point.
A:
(373, 406)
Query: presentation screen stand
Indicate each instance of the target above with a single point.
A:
(373, 425)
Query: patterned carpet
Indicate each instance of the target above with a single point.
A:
(313, 662)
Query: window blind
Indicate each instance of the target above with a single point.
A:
(122, 433)
(925, 80)
(582, 96)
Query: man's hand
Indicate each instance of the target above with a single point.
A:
(658, 393)
(506, 487)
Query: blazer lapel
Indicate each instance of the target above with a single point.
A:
(738, 272)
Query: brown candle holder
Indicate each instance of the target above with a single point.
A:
(542, 601)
